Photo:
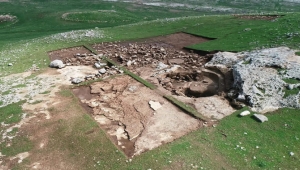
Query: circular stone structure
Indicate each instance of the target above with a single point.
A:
(206, 87)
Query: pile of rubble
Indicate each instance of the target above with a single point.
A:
(103, 70)
(135, 55)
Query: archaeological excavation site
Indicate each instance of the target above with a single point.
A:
(145, 93)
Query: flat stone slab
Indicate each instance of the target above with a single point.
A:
(244, 113)
(154, 105)
(260, 117)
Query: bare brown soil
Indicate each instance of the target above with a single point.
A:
(179, 40)
(68, 53)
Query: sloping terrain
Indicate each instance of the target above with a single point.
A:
(48, 123)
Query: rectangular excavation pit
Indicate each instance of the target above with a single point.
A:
(136, 118)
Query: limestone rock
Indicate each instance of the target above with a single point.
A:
(161, 66)
(245, 113)
(224, 61)
(77, 80)
(57, 64)
(258, 78)
(97, 65)
(260, 117)
(154, 105)
(102, 71)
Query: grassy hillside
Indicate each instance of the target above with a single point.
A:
(233, 34)
(40, 18)
(236, 143)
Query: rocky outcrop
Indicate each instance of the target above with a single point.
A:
(260, 76)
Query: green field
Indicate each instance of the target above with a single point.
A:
(235, 143)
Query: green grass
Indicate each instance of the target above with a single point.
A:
(45, 92)
(37, 102)
(65, 93)
(298, 53)
(6, 92)
(139, 79)
(206, 147)
(102, 16)
(19, 86)
(26, 42)
(13, 132)
(11, 113)
(291, 81)
(291, 92)
(89, 82)
(232, 37)
(190, 110)
(275, 140)
(247, 62)
(18, 145)
(41, 18)
(90, 48)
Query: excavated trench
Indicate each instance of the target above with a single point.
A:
(136, 118)
(200, 83)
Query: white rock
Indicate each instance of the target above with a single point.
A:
(129, 63)
(245, 113)
(256, 91)
(57, 64)
(77, 80)
(292, 153)
(261, 117)
(10, 64)
(161, 65)
(132, 88)
(102, 71)
(97, 65)
(173, 68)
(256, 76)
(241, 97)
(154, 105)
(290, 86)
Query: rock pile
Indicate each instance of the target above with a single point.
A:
(103, 69)
(135, 55)
(82, 59)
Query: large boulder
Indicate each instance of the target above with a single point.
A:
(57, 64)
(259, 76)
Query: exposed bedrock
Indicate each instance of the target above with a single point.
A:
(264, 78)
